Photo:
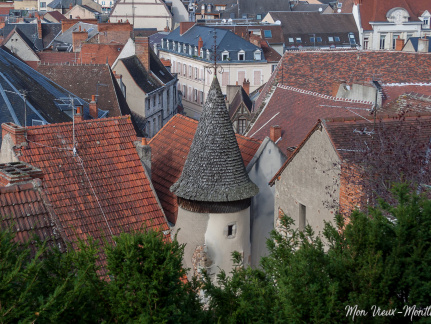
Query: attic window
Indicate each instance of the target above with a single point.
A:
(298, 40)
(37, 122)
(225, 56)
(267, 33)
(208, 54)
(291, 40)
(319, 39)
(339, 5)
(258, 55)
(230, 230)
(330, 39)
(259, 17)
(337, 39)
(241, 56)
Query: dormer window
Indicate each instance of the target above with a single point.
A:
(190, 50)
(184, 48)
(225, 56)
(208, 55)
(258, 55)
(163, 43)
(426, 21)
(167, 44)
(397, 16)
(241, 55)
(298, 39)
(196, 51)
(201, 53)
(179, 48)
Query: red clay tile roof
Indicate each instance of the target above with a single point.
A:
(106, 171)
(58, 57)
(296, 111)
(170, 147)
(392, 91)
(99, 53)
(271, 55)
(376, 10)
(318, 70)
(24, 210)
(82, 80)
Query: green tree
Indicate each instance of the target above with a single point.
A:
(381, 258)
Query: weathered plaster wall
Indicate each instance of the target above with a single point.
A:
(310, 179)
(262, 205)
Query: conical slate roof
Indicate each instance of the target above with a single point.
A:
(214, 170)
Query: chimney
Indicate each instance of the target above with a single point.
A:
(70, 7)
(399, 44)
(200, 45)
(17, 133)
(423, 45)
(142, 51)
(256, 40)
(144, 152)
(78, 37)
(185, 26)
(93, 107)
(78, 115)
(246, 86)
(15, 172)
(39, 28)
(275, 133)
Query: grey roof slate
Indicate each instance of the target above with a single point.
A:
(310, 7)
(46, 101)
(66, 38)
(214, 170)
(226, 41)
(141, 76)
(251, 8)
(415, 41)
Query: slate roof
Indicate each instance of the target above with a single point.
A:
(83, 81)
(158, 69)
(23, 37)
(24, 209)
(103, 190)
(415, 41)
(226, 41)
(66, 38)
(308, 24)
(296, 111)
(49, 32)
(46, 101)
(239, 98)
(318, 70)
(137, 71)
(310, 7)
(376, 10)
(214, 170)
(254, 7)
(169, 150)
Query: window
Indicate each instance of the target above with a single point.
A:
(201, 55)
(352, 39)
(302, 217)
(160, 99)
(426, 21)
(257, 78)
(225, 56)
(366, 42)
(190, 50)
(337, 39)
(242, 124)
(230, 230)
(196, 73)
(241, 56)
(339, 5)
(298, 40)
(257, 55)
(190, 71)
(259, 17)
(208, 55)
(185, 91)
(103, 3)
(37, 122)
(382, 41)
(43, 4)
(184, 48)
(201, 97)
(312, 39)
(267, 34)
(225, 79)
(319, 39)
(184, 69)
(195, 95)
(291, 40)
(179, 48)
(196, 51)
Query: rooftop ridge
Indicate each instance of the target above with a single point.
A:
(403, 84)
(386, 117)
(315, 94)
(81, 122)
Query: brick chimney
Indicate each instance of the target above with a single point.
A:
(246, 86)
(78, 37)
(16, 172)
(144, 153)
(78, 115)
(200, 45)
(399, 44)
(93, 107)
(39, 28)
(17, 133)
(423, 45)
(185, 26)
(142, 51)
(255, 40)
(275, 133)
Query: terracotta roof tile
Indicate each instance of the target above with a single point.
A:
(296, 111)
(318, 70)
(170, 147)
(106, 170)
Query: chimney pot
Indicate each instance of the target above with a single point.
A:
(275, 133)
(246, 86)
(78, 115)
(93, 107)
